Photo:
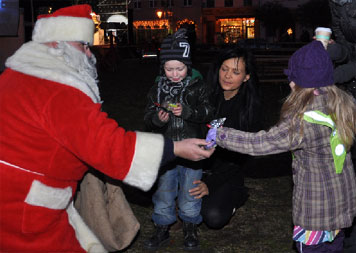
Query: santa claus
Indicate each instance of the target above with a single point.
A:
(52, 128)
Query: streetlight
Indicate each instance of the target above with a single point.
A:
(165, 18)
(159, 14)
(290, 31)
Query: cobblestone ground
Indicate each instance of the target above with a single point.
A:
(263, 224)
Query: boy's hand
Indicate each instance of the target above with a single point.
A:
(163, 116)
(177, 110)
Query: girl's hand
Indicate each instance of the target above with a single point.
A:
(199, 191)
(163, 116)
(177, 111)
(211, 138)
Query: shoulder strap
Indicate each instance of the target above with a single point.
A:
(337, 147)
(317, 117)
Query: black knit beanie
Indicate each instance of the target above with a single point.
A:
(176, 47)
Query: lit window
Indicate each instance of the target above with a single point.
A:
(188, 2)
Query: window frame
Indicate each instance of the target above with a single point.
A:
(210, 3)
(187, 3)
(152, 3)
(137, 4)
(228, 3)
(247, 2)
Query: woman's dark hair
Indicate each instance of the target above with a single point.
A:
(249, 101)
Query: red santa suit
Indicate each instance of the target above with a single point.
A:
(51, 129)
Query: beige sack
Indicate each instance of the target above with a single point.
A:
(105, 210)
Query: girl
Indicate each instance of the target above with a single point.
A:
(318, 124)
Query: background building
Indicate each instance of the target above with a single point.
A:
(211, 21)
(153, 20)
(227, 21)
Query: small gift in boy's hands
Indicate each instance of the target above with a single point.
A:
(211, 136)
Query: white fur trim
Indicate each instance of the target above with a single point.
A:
(146, 160)
(47, 196)
(33, 59)
(85, 236)
(58, 199)
(63, 28)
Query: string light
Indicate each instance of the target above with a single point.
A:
(155, 24)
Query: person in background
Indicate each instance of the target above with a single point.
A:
(178, 107)
(52, 129)
(343, 50)
(236, 97)
(343, 53)
(318, 124)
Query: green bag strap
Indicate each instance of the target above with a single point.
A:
(337, 147)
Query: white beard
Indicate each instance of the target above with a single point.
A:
(78, 60)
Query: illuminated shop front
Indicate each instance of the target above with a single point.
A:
(147, 30)
(185, 22)
(234, 29)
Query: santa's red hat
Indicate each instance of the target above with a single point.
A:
(73, 23)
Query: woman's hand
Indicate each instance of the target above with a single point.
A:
(163, 116)
(199, 191)
(177, 111)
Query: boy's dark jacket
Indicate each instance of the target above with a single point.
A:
(197, 111)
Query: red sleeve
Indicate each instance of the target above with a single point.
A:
(80, 126)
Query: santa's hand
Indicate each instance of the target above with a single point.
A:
(211, 138)
(191, 149)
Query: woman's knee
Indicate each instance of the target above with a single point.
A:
(215, 218)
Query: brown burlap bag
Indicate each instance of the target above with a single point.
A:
(105, 210)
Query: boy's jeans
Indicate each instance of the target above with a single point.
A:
(164, 198)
